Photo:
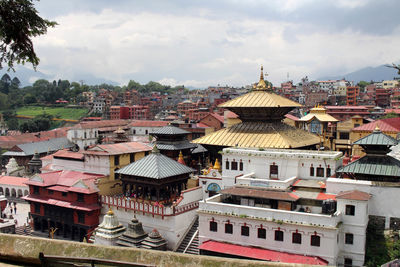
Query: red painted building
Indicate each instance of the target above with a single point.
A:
(351, 95)
(66, 201)
(343, 113)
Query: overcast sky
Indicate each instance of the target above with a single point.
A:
(210, 42)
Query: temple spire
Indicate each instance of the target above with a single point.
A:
(261, 86)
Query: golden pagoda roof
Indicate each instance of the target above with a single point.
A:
(320, 117)
(261, 97)
(260, 135)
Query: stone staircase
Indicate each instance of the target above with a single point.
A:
(190, 244)
(20, 230)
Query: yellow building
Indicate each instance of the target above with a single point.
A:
(110, 157)
(318, 122)
(261, 113)
(343, 141)
(390, 84)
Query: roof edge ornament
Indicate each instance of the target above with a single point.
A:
(155, 150)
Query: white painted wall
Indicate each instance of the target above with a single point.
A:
(83, 137)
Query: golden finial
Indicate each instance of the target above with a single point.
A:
(261, 84)
(262, 73)
(377, 129)
(110, 212)
(217, 166)
(180, 158)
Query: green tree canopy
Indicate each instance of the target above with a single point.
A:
(19, 22)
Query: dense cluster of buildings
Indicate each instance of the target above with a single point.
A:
(246, 173)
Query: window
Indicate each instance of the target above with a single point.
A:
(227, 165)
(296, 238)
(348, 239)
(36, 190)
(234, 166)
(350, 210)
(146, 132)
(51, 192)
(348, 262)
(131, 157)
(273, 171)
(81, 217)
(64, 194)
(311, 171)
(262, 233)
(228, 228)
(80, 197)
(328, 172)
(240, 166)
(315, 240)
(213, 226)
(37, 208)
(85, 135)
(320, 172)
(116, 160)
(245, 230)
(278, 235)
(343, 135)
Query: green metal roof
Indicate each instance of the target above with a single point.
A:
(169, 130)
(156, 166)
(176, 146)
(381, 165)
(377, 138)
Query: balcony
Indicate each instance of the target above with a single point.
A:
(214, 206)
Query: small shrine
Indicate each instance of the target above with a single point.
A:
(108, 232)
(155, 241)
(133, 236)
(155, 177)
(35, 164)
(211, 179)
(376, 165)
(13, 169)
(171, 141)
(119, 136)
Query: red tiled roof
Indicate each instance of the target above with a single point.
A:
(100, 124)
(68, 154)
(324, 196)
(345, 107)
(65, 204)
(119, 148)
(354, 195)
(7, 142)
(13, 180)
(217, 116)
(231, 115)
(291, 117)
(202, 125)
(145, 123)
(68, 179)
(385, 125)
(261, 253)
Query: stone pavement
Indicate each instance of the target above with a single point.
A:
(23, 210)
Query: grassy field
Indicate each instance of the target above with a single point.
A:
(56, 112)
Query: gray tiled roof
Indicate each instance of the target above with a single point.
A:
(28, 149)
(156, 166)
(178, 146)
(377, 138)
(380, 165)
(169, 130)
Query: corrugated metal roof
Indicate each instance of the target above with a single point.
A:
(385, 125)
(199, 149)
(377, 138)
(179, 146)
(117, 149)
(373, 165)
(169, 130)
(156, 166)
(260, 135)
(265, 99)
(28, 149)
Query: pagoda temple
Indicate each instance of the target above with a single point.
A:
(155, 177)
(108, 232)
(134, 235)
(261, 112)
(171, 140)
(376, 165)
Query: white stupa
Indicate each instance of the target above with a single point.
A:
(108, 232)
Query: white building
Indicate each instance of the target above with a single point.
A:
(143, 127)
(278, 201)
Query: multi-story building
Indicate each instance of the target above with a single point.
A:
(89, 96)
(144, 127)
(346, 112)
(382, 97)
(315, 98)
(351, 95)
(64, 203)
(131, 97)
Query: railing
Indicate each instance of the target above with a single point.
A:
(146, 207)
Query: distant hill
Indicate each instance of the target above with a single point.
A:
(376, 74)
(28, 77)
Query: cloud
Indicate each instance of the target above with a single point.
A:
(215, 42)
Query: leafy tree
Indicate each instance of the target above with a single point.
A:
(3, 101)
(390, 115)
(19, 22)
(5, 83)
(362, 85)
(13, 124)
(29, 99)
